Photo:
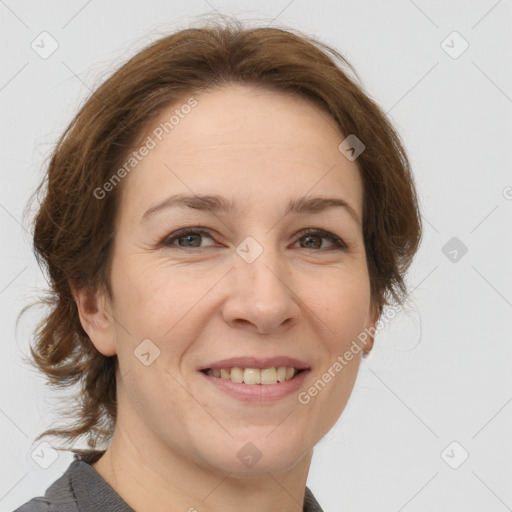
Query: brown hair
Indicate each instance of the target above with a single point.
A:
(73, 230)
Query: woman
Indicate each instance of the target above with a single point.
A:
(224, 221)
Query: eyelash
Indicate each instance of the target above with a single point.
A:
(339, 244)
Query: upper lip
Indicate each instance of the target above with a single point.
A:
(257, 362)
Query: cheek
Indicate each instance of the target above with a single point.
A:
(159, 302)
(343, 308)
(150, 292)
(342, 301)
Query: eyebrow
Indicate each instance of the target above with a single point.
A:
(218, 203)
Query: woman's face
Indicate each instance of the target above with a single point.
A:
(253, 281)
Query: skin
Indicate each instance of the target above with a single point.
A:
(176, 439)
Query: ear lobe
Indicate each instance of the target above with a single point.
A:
(96, 319)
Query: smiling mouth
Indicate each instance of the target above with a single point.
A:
(254, 376)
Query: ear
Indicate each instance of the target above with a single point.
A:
(94, 310)
(371, 326)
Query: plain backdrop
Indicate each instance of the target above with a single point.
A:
(428, 424)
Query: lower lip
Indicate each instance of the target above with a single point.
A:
(258, 392)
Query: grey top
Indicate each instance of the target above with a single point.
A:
(82, 489)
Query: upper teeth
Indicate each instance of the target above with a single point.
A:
(254, 375)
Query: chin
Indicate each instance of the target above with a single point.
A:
(254, 455)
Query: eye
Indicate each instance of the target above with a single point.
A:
(192, 237)
(313, 240)
(187, 238)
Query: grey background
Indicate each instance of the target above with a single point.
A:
(440, 371)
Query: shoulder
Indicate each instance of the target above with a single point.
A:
(310, 503)
(43, 504)
(59, 497)
(80, 487)
(38, 504)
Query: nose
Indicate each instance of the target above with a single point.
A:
(261, 296)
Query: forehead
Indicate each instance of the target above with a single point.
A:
(242, 142)
(247, 115)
